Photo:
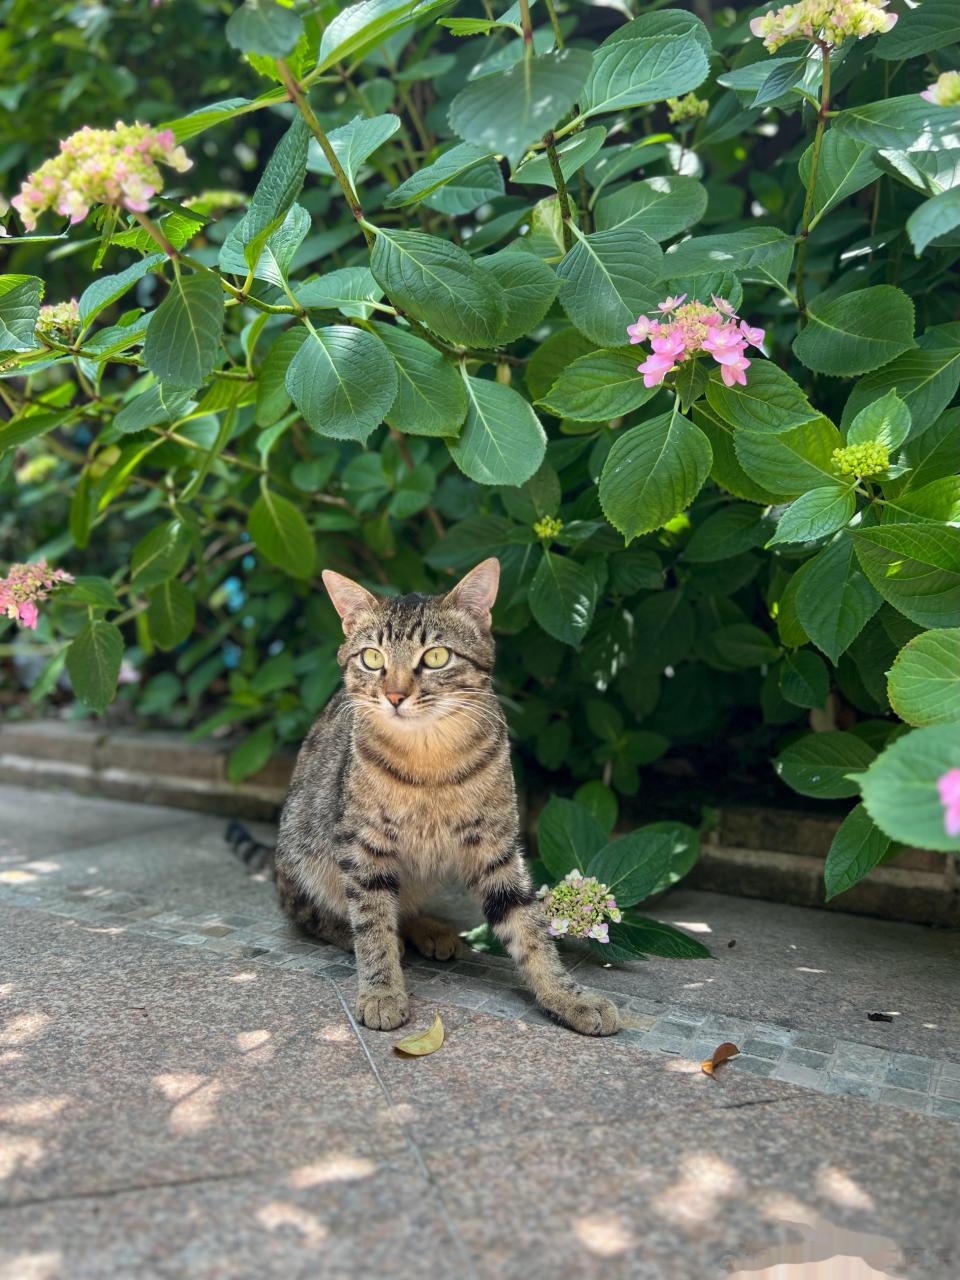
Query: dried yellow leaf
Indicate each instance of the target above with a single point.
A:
(425, 1042)
(720, 1054)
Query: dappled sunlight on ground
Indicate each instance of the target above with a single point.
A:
(839, 1187)
(605, 1234)
(279, 1214)
(36, 1111)
(23, 1028)
(336, 1033)
(332, 1168)
(195, 1100)
(19, 1152)
(705, 1181)
(247, 976)
(32, 1266)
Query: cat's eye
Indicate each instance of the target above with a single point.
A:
(438, 656)
(372, 659)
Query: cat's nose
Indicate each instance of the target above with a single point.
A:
(395, 698)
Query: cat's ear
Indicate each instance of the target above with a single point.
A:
(477, 592)
(348, 597)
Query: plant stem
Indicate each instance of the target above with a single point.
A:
(804, 235)
(527, 27)
(554, 22)
(303, 106)
(550, 142)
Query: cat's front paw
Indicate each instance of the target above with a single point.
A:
(382, 1010)
(590, 1015)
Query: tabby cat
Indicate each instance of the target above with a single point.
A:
(404, 779)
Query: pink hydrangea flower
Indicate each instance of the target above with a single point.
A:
(949, 788)
(831, 21)
(101, 166)
(24, 587)
(689, 328)
(579, 907)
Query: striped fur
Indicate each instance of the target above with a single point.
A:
(388, 800)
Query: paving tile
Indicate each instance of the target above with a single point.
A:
(806, 1058)
(904, 1098)
(810, 1040)
(755, 1066)
(907, 1079)
(948, 1087)
(794, 1073)
(763, 1049)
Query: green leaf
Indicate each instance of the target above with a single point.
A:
(934, 218)
(633, 866)
(19, 307)
(662, 206)
(608, 279)
(938, 501)
(551, 357)
(353, 144)
(856, 332)
(568, 835)
(431, 399)
(725, 468)
(501, 441)
(639, 935)
(272, 257)
(926, 379)
(468, 190)
(791, 462)
(770, 402)
(804, 679)
(834, 600)
(572, 153)
(729, 532)
(273, 399)
(358, 28)
(93, 664)
(896, 124)
(816, 514)
(931, 455)
(171, 613)
(282, 534)
(30, 425)
(93, 590)
(632, 72)
(924, 682)
(528, 287)
(819, 764)
(652, 473)
(845, 167)
(343, 381)
(349, 290)
(602, 802)
(105, 291)
(508, 110)
(886, 420)
(931, 25)
(214, 113)
(916, 568)
(275, 193)
(562, 597)
(183, 341)
(161, 554)
(780, 80)
(456, 160)
(265, 27)
(857, 847)
(250, 755)
(155, 406)
(602, 385)
(744, 646)
(900, 787)
(764, 254)
(439, 283)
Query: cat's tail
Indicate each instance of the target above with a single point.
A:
(251, 852)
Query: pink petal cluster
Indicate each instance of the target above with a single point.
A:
(831, 21)
(688, 328)
(24, 587)
(945, 90)
(101, 166)
(949, 789)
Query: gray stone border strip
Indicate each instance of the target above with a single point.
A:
(823, 1063)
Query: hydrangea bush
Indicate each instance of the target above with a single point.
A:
(661, 314)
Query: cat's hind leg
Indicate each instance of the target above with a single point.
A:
(433, 938)
(311, 916)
